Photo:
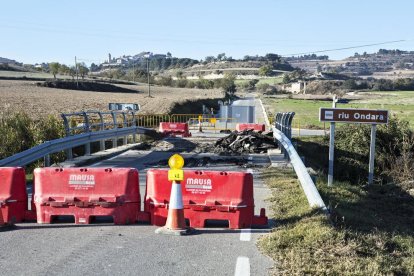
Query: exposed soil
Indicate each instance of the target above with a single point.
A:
(42, 101)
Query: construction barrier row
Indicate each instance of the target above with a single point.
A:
(87, 193)
(255, 127)
(174, 129)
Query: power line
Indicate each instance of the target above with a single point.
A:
(344, 48)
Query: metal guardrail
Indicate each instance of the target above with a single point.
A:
(305, 180)
(88, 121)
(283, 122)
(44, 150)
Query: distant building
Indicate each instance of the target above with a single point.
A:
(298, 87)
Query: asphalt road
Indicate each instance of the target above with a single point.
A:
(106, 249)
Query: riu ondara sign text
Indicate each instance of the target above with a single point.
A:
(358, 116)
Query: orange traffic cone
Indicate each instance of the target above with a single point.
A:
(175, 224)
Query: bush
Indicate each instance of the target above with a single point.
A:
(262, 87)
(394, 146)
(19, 132)
(252, 84)
(181, 83)
(190, 84)
(165, 81)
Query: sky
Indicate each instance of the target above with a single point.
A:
(50, 30)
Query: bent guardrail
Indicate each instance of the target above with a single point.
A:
(312, 194)
(44, 150)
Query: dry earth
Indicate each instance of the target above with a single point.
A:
(41, 101)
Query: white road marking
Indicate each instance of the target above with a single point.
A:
(242, 266)
(116, 156)
(246, 235)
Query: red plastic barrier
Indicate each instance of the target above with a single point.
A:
(87, 192)
(255, 127)
(13, 195)
(207, 195)
(174, 129)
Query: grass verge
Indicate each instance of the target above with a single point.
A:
(371, 231)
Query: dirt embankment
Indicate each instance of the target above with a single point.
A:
(86, 86)
(41, 101)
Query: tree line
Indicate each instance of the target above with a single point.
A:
(57, 68)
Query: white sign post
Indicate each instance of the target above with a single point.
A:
(331, 142)
(372, 154)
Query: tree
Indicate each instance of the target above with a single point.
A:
(63, 69)
(179, 74)
(252, 84)
(209, 59)
(265, 70)
(221, 56)
(54, 68)
(94, 67)
(72, 72)
(286, 78)
(272, 57)
(318, 68)
(169, 55)
(228, 85)
(349, 84)
(83, 70)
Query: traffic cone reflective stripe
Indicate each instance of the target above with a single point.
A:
(175, 219)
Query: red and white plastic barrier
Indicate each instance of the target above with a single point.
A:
(207, 195)
(255, 127)
(87, 192)
(13, 195)
(174, 129)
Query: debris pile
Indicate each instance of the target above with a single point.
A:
(247, 141)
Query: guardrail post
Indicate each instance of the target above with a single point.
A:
(114, 140)
(46, 160)
(69, 154)
(125, 124)
(102, 127)
(277, 125)
(286, 130)
(134, 123)
(292, 114)
(283, 130)
(87, 129)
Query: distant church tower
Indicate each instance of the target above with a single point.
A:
(109, 58)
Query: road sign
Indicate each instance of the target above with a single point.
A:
(351, 115)
(124, 106)
(354, 116)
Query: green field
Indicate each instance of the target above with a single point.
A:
(37, 75)
(400, 103)
(275, 80)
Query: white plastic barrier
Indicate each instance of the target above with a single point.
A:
(312, 194)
